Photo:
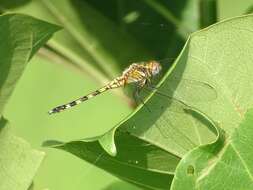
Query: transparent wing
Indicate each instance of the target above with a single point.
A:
(188, 90)
(165, 109)
(163, 101)
(177, 99)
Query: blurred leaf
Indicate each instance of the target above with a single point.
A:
(11, 4)
(18, 161)
(216, 56)
(208, 12)
(168, 14)
(98, 36)
(89, 39)
(85, 24)
(21, 36)
(162, 26)
(229, 158)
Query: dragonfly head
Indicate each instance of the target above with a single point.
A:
(155, 67)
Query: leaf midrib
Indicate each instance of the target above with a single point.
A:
(227, 144)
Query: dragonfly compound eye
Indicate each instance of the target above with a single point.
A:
(156, 67)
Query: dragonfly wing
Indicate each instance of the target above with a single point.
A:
(174, 104)
(182, 92)
(189, 90)
(169, 109)
(177, 101)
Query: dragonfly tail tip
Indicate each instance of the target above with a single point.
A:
(50, 112)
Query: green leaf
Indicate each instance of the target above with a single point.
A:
(220, 58)
(21, 36)
(217, 56)
(18, 161)
(228, 158)
(137, 162)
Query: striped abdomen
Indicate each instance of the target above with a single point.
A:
(118, 82)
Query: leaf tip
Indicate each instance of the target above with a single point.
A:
(109, 148)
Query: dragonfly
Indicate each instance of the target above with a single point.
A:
(141, 74)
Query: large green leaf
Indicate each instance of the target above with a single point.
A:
(219, 57)
(229, 158)
(18, 161)
(21, 36)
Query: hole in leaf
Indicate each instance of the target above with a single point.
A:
(190, 170)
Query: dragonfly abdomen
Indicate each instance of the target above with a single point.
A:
(118, 82)
(78, 101)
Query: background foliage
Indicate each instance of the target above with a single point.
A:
(155, 34)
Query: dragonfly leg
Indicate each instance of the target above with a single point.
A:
(149, 85)
(138, 98)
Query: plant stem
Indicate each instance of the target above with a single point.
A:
(208, 12)
(162, 10)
